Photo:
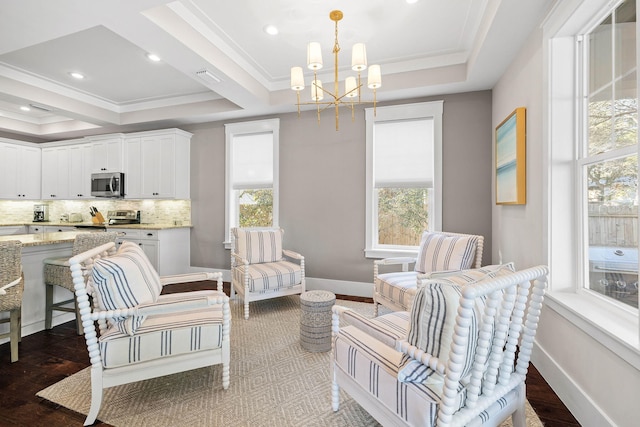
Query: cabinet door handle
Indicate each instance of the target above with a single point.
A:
(149, 234)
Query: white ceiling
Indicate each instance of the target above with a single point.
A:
(426, 48)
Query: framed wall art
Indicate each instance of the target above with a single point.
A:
(510, 159)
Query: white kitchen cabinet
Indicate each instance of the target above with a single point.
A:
(168, 250)
(157, 165)
(55, 173)
(80, 167)
(20, 172)
(106, 154)
(6, 230)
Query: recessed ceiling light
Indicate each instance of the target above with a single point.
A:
(76, 75)
(25, 108)
(153, 57)
(271, 29)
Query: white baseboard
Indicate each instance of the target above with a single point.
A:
(342, 287)
(583, 408)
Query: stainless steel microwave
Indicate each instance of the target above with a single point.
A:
(107, 184)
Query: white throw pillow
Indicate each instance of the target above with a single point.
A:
(441, 252)
(433, 319)
(125, 280)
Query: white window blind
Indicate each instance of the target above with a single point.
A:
(404, 154)
(252, 161)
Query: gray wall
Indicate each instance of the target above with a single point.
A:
(322, 185)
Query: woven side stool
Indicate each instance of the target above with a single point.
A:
(315, 320)
(57, 273)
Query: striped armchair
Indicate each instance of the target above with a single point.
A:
(439, 252)
(261, 268)
(141, 333)
(459, 357)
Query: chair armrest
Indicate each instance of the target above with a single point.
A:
(395, 260)
(163, 307)
(189, 277)
(292, 254)
(421, 356)
(3, 289)
(364, 324)
(238, 259)
(404, 261)
(189, 303)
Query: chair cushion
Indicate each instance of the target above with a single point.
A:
(433, 318)
(258, 246)
(441, 252)
(165, 335)
(397, 287)
(374, 367)
(125, 280)
(271, 276)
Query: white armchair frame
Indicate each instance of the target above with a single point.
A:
(405, 263)
(101, 377)
(499, 367)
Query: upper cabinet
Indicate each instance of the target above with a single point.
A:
(107, 154)
(157, 165)
(55, 173)
(20, 172)
(80, 167)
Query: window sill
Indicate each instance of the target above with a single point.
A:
(390, 253)
(614, 329)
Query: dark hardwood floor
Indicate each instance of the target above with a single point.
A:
(49, 356)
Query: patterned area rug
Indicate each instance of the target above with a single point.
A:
(273, 382)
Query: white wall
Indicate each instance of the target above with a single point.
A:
(598, 386)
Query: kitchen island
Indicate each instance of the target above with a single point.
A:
(35, 248)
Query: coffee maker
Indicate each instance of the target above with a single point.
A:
(40, 213)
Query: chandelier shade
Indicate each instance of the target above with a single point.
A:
(314, 56)
(352, 84)
(359, 57)
(297, 78)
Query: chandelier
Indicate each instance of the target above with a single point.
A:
(352, 86)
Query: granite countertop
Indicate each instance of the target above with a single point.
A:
(74, 224)
(41, 239)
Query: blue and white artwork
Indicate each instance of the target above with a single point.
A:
(506, 162)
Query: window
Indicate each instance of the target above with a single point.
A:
(251, 174)
(404, 152)
(592, 228)
(608, 157)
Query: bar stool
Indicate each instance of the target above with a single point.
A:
(11, 289)
(57, 273)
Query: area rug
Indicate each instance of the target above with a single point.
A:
(274, 382)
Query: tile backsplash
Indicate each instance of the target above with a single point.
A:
(151, 211)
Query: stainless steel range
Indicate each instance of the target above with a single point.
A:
(123, 217)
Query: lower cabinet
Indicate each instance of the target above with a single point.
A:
(7, 230)
(168, 250)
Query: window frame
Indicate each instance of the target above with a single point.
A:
(616, 327)
(240, 129)
(421, 110)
